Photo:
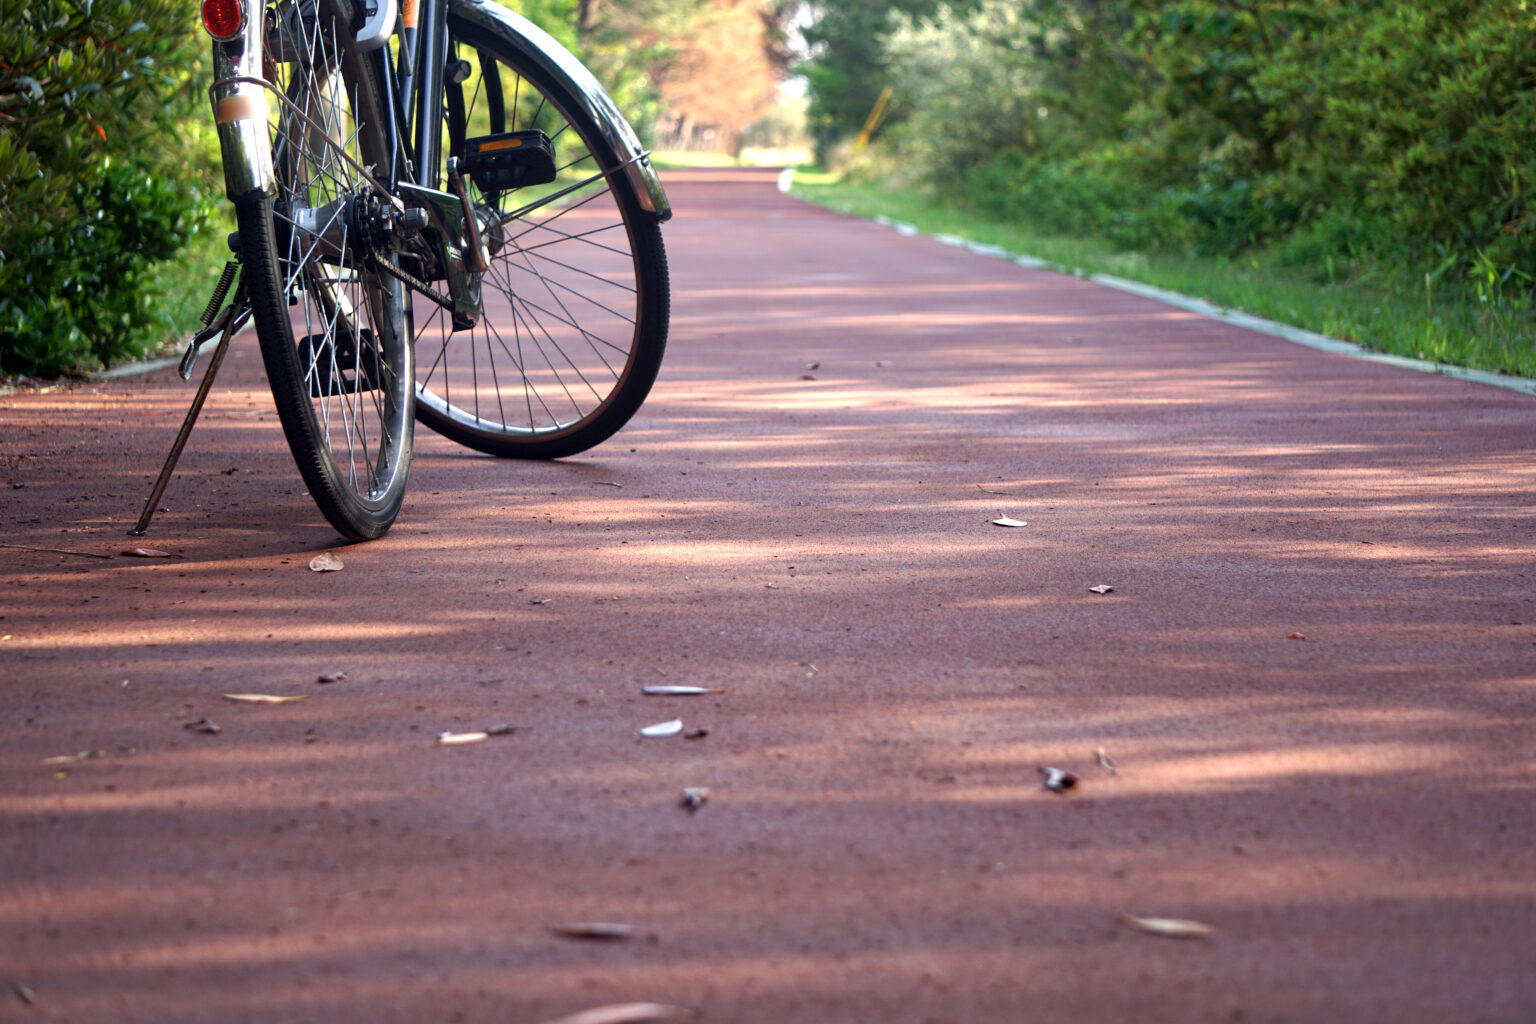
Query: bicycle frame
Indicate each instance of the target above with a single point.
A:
(240, 102)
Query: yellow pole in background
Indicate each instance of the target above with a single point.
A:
(873, 121)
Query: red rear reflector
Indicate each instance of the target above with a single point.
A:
(224, 19)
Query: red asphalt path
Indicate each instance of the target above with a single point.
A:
(1316, 673)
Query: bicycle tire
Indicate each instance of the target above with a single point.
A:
(331, 328)
(577, 298)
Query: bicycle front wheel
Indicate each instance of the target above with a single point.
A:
(331, 326)
(575, 303)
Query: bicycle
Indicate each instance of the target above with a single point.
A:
(441, 216)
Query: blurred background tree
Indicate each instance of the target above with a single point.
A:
(1340, 135)
(104, 166)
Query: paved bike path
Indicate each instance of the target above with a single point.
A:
(1315, 676)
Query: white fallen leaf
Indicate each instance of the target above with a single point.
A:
(593, 930)
(332, 677)
(457, 739)
(146, 553)
(84, 755)
(1169, 927)
(1101, 589)
(671, 728)
(1108, 763)
(607, 483)
(695, 796)
(1055, 779)
(542, 600)
(1006, 521)
(325, 562)
(262, 698)
(628, 1013)
(678, 691)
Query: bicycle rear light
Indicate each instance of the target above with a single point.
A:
(224, 19)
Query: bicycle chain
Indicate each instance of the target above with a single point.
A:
(410, 280)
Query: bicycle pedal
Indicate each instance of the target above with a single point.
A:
(510, 160)
(334, 366)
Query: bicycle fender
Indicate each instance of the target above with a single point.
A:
(240, 109)
(546, 53)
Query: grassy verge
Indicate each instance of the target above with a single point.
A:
(1386, 310)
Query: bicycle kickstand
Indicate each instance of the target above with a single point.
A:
(229, 320)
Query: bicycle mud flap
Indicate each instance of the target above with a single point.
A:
(446, 231)
(336, 364)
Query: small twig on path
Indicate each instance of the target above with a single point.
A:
(56, 551)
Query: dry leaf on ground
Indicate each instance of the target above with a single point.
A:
(1108, 763)
(602, 930)
(671, 728)
(1169, 927)
(146, 553)
(678, 691)
(262, 698)
(325, 562)
(695, 796)
(84, 755)
(332, 677)
(1102, 588)
(458, 739)
(1055, 779)
(628, 1013)
(203, 725)
(988, 490)
(1008, 521)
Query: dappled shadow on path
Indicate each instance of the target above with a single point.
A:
(1315, 673)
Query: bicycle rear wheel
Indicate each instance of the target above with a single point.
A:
(331, 327)
(576, 301)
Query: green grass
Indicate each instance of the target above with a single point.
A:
(1384, 309)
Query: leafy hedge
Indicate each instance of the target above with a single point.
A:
(103, 163)
(1339, 133)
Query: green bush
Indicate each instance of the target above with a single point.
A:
(1344, 135)
(104, 152)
